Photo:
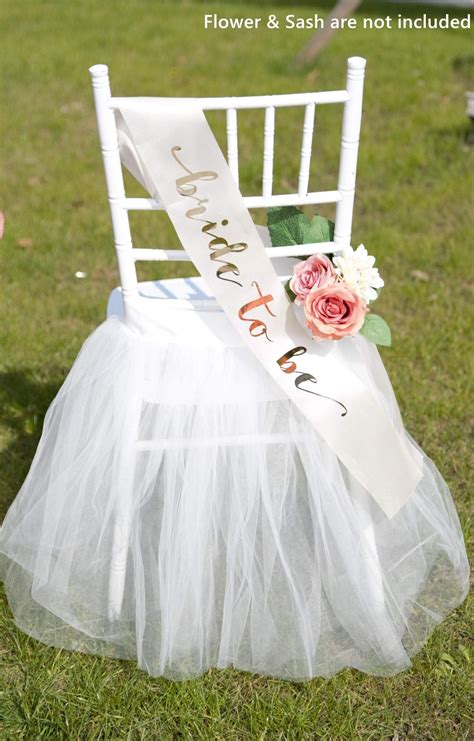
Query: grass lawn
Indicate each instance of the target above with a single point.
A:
(413, 210)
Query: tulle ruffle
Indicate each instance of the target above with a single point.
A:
(236, 538)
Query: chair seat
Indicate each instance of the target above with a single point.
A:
(191, 289)
(171, 288)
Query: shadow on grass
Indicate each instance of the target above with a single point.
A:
(463, 68)
(382, 6)
(448, 140)
(24, 400)
(379, 8)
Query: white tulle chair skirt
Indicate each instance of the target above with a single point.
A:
(182, 512)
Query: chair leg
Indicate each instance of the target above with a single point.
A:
(375, 586)
(123, 514)
(370, 561)
(118, 567)
(377, 598)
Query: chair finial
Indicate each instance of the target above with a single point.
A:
(356, 63)
(99, 70)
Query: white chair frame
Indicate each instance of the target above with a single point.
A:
(351, 97)
(120, 205)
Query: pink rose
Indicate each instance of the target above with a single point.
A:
(334, 311)
(315, 272)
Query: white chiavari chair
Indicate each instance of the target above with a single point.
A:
(182, 288)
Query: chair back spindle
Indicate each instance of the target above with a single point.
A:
(268, 150)
(306, 148)
(232, 143)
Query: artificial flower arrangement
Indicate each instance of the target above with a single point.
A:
(333, 289)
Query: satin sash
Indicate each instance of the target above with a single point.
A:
(170, 148)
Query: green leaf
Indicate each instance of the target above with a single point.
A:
(291, 295)
(288, 225)
(376, 330)
(319, 229)
(285, 225)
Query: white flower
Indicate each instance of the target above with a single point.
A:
(356, 268)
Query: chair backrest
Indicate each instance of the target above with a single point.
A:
(120, 205)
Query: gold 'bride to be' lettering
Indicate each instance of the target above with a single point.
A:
(257, 327)
(219, 247)
(288, 365)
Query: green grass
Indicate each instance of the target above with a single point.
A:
(414, 211)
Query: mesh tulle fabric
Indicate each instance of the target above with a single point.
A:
(246, 542)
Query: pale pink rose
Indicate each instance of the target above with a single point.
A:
(334, 311)
(315, 272)
(2, 223)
